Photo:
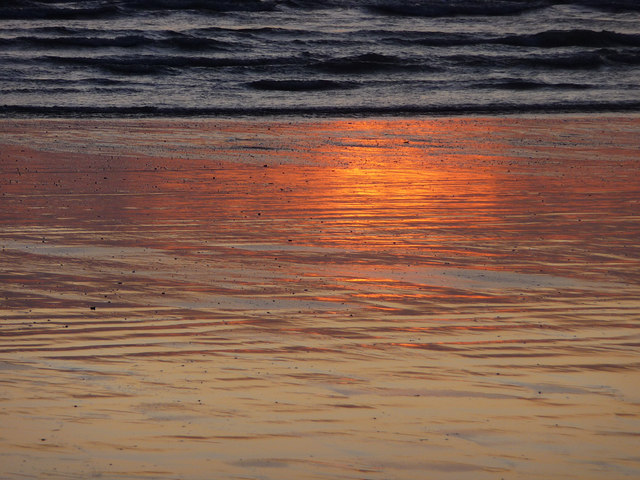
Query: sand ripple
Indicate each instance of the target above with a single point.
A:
(320, 299)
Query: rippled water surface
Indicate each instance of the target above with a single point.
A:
(322, 57)
(405, 299)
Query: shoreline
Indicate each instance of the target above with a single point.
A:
(151, 112)
(301, 118)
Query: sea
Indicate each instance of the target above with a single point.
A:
(323, 57)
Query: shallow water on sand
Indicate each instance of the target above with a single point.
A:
(280, 299)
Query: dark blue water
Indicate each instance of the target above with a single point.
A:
(366, 57)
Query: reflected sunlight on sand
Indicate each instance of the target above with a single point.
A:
(407, 299)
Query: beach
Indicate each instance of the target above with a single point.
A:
(289, 298)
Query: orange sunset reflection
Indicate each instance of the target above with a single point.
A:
(444, 190)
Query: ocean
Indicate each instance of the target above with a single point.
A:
(327, 57)
(304, 240)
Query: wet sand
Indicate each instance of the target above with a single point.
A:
(302, 299)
